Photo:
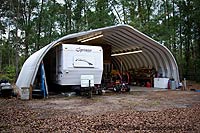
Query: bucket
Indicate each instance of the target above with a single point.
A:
(25, 92)
(148, 84)
(172, 84)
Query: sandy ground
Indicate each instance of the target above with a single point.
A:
(135, 100)
(135, 111)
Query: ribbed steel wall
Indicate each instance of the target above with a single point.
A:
(121, 37)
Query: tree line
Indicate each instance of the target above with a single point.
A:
(28, 25)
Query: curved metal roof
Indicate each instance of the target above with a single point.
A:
(122, 38)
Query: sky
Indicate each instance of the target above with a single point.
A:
(60, 1)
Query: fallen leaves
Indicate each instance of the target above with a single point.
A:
(18, 116)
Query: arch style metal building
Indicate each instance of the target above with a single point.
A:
(122, 39)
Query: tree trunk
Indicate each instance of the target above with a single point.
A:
(26, 26)
(1, 51)
(0, 59)
(68, 17)
(85, 15)
(148, 4)
(17, 43)
(39, 26)
(124, 12)
(174, 30)
(140, 12)
(117, 13)
(132, 12)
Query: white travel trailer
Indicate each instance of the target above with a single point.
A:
(75, 61)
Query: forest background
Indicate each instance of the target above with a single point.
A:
(28, 25)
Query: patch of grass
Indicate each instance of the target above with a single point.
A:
(135, 93)
(154, 103)
(131, 103)
(85, 98)
(124, 101)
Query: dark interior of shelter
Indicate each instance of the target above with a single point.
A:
(113, 71)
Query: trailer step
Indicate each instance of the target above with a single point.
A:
(37, 93)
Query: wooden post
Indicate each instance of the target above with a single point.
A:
(30, 92)
(184, 84)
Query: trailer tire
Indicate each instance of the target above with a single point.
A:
(117, 88)
(100, 92)
(128, 88)
(90, 94)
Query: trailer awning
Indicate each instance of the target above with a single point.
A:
(129, 45)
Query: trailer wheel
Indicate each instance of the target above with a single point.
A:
(117, 88)
(127, 88)
(100, 92)
(90, 93)
(77, 89)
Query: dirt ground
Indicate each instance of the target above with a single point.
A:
(135, 111)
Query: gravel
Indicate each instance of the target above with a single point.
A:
(19, 116)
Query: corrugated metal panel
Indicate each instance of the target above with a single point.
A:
(120, 37)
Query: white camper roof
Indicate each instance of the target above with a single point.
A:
(122, 38)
